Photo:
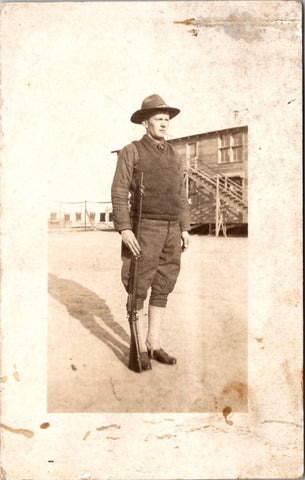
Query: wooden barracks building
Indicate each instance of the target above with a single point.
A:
(216, 177)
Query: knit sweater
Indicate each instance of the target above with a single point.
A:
(164, 195)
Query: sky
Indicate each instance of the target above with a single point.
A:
(80, 70)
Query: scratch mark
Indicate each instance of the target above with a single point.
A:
(283, 421)
(150, 421)
(291, 101)
(86, 435)
(3, 379)
(199, 428)
(45, 425)
(21, 431)
(113, 390)
(226, 411)
(189, 21)
(108, 426)
(113, 438)
(168, 419)
(16, 376)
(167, 435)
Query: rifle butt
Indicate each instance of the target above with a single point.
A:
(134, 362)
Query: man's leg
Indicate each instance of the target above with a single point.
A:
(153, 235)
(163, 283)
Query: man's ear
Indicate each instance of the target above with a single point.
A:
(145, 123)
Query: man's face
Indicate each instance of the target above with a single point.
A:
(157, 125)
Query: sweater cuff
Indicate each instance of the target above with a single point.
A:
(123, 226)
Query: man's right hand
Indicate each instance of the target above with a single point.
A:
(129, 239)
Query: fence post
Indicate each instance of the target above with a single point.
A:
(85, 215)
(60, 217)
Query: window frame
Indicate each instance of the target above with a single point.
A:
(231, 148)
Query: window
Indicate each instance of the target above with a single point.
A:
(102, 217)
(230, 147)
(92, 216)
(53, 216)
(237, 147)
(192, 153)
(78, 216)
(191, 150)
(67, 217)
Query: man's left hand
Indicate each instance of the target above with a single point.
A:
(186, 240)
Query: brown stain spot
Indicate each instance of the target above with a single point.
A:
(150, 421)
(293, 297)
(3, 379)
(194, 32)
(259, 340)
(86, 435)
(238, 387)
(226, 412)
(167, 435)
(99, 429)
(45, 425)
(188, 21)
(113, 438)
(16, 376)
(73, 367)
(176, 447)
(262, 348)
(20, 431)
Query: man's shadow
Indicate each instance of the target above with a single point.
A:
(84, 304)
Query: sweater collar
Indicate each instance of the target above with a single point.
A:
(159, 145)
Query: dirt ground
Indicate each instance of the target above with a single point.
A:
(88, 333)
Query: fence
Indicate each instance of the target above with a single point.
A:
(82, 215)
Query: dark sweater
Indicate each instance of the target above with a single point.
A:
(164, 198)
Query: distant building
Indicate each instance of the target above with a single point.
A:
(216, 177)
(80, 215)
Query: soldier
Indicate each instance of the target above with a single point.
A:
(165, 219)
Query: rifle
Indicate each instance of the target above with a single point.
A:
(134, 351)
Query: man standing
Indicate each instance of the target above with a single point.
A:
(165, 219)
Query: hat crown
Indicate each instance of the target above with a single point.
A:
(153, 101)
(152, 104)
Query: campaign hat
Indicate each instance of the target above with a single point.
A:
(151, 104)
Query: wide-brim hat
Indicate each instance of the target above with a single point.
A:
(150, 105)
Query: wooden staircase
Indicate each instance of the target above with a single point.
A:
(216, 193)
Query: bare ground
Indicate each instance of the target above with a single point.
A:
(88, 332)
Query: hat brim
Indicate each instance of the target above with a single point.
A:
(144, 114)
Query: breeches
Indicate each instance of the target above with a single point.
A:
(160, 243)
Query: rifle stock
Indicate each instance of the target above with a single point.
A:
(134, 351)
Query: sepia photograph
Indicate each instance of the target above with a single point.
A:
(151, 239)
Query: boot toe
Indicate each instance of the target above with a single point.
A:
(161, 356)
